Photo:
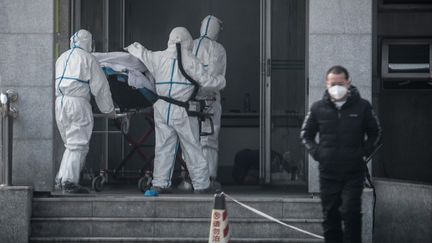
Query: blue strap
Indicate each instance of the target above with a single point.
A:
(75, 46)
(64, 71)
(62, 77)
(204, 36)
(208, 23)
(74, 42)
(110, 71)
(199, 45)
(168, 82)
(121, 76)
(169, 92)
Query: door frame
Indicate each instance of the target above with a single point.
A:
(265, 73)
(265, 92)
(266, 86)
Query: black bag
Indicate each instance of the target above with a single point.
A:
(125, 96)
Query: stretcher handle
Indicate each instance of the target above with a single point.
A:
(117, 115)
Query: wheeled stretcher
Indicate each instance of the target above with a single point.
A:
(130, 102)
(124, 71)
(132, 93)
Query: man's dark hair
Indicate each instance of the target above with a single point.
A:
(338, 70)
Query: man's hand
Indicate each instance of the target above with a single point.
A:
(371, 155)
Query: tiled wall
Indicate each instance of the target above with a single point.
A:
(26, 65)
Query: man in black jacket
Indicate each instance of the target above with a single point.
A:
(348, 132)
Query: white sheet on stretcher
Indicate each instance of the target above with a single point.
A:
(122, 62)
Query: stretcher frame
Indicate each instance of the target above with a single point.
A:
(122, 123)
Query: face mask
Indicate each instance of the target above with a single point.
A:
(337, 92)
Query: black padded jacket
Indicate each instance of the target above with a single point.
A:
(346, 135)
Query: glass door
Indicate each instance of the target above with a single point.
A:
(283, 89)
(105, 20)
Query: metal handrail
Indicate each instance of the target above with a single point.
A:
(8, 114)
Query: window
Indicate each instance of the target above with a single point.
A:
(407, 2)
(406, 63)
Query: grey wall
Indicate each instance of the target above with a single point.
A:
(15, 212)
(403, 212)
(61, 44)
(340, 32)
(405, 113)
(26, 64)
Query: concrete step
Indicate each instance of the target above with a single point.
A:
(164, 240)
(166, 227)
(171, 207)
(122, 218)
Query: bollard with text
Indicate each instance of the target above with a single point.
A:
(219, 229)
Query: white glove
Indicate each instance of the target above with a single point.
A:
(111, 115)
(131, 46)
(135, 49)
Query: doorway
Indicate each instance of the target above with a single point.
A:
(264, 100)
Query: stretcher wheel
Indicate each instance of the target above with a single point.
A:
(98, 183)
(144, 183)
(125, 125)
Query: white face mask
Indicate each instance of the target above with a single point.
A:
(337, 92)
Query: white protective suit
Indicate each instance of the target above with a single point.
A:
(77, 75)
(172, 123)
(213, 56)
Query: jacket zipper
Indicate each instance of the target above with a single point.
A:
(338, 132)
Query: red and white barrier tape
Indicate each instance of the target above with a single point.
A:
(272, 218)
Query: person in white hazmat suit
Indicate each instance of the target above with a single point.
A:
(78, 75)
(213, 56)
(172, 123)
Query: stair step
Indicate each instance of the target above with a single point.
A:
(170, 207)
(164, 227)
(167, 240)
(114, 218)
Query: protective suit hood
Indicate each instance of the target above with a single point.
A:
(182, 35)
(210, 27)
(82, 39)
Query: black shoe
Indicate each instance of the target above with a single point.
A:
(213, 188)
(207, 190)
(58, 187)
(216, 185)
(185, 186)
(161, 190)
(69, 187)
